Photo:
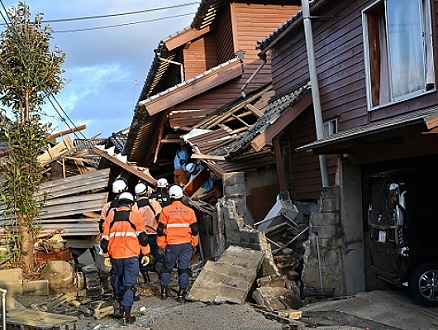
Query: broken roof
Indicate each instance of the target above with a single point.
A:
(225, 150)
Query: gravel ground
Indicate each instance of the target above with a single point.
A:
(166, 314)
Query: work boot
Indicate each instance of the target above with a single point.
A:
(146, 277)
(127, 318)
(164, 292)
(118, 309)
(181, 295)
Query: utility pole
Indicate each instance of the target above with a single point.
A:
(314, 87)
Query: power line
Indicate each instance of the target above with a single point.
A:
(120, 14)
(123, 24)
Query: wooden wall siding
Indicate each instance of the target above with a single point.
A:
(224, 38)
(340, 64)
(199, 56)
(305, 175)
(254, 22)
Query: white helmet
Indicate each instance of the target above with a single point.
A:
(125, 198)
(190, 167)
(141, 189)
(119, 186)
(176, 192)
(162, 183)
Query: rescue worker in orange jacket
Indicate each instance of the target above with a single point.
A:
(119, 186)
(150, 209)
(124, 238)
(177, 238)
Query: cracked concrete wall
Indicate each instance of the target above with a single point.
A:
(231, 222)
(338, 227)
(326, 230)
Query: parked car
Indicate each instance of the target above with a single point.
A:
(403, 224)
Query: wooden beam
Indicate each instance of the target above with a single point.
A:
(279, 164)
(285, 119)
(431, 122)
(254, 110)
(211, 157)
(188, 90)
(185, 37)
(158, 147)
(130, 168)
(62, 133)
(171, 141)
(56, 151)
(222, 117)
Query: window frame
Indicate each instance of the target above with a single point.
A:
(370, 17)
(330, 127)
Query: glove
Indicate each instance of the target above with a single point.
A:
(161, 251)
(145, 260)
(107, 262)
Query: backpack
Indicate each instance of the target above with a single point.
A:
(145, 202)
(113, 205)
(122, 216)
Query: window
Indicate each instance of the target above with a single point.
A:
(330, 127)
(398, 50)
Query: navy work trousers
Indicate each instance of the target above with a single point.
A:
(181, 254)
(152, 240)
(124, 274)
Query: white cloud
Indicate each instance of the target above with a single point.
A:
(106, 67)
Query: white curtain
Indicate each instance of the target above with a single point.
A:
(405, 41)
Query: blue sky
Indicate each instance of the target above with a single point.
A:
(106, 67)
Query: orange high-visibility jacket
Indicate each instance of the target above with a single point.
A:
(122, 237)
(177, 219)
(149, 216)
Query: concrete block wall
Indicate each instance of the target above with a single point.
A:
(325, 230)
(12, 281)
(339, 224)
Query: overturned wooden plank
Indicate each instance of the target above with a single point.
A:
(75, 184)
(293, 314)
(58, 150)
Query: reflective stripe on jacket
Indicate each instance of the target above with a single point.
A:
(122, 237)
(177, 219)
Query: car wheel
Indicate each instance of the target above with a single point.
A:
(424, 284)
